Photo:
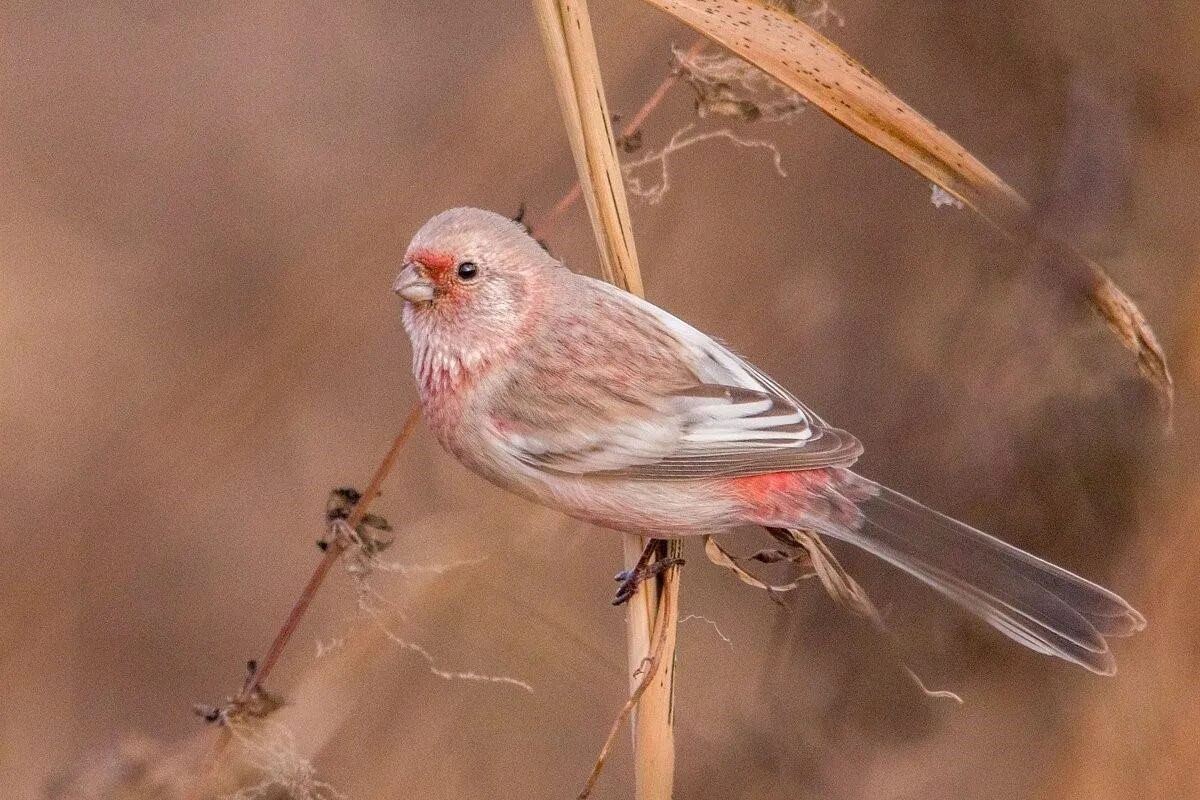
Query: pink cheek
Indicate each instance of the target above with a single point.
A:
(450, 295)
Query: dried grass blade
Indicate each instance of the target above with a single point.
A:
(723, 558)
(795, 54)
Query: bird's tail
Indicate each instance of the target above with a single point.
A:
(1044, 607)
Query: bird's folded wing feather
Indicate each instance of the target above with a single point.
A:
(665, 402)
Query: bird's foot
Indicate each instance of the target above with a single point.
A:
(645, 569)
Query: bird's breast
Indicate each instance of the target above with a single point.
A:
(446, 383)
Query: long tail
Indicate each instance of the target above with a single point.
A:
(1044, 607)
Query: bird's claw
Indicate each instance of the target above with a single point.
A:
(630, 579)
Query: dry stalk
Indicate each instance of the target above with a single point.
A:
(571, 51)
(648, 668)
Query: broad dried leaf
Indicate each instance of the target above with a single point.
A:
(799, 57)
(723, 558)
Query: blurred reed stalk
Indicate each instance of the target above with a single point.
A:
(651, 619)
(1138, 739)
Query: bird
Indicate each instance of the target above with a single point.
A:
(580, 396)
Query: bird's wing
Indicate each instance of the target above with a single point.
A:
(667, 403)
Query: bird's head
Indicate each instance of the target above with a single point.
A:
(470, 275)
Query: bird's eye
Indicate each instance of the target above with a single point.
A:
(468, 270)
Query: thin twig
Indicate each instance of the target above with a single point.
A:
(336, 547)
(547, 223)
(667, 606)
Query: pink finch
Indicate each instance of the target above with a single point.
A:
(587, 399)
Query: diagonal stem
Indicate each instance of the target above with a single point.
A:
(336, 547)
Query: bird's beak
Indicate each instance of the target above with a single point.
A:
(413, 286)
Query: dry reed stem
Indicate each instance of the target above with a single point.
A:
(792, 52)
(650, 668)
(571, 50)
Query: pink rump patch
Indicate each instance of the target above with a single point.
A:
(776, 496)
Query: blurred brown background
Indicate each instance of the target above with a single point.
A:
(203, 209)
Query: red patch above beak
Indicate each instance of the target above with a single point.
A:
(435, 263)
